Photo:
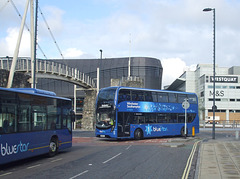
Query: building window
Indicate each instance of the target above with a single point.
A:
(238, 100)
(207, 79)
(231, 87)
(224, 99)
(232, 100)
(237, 87)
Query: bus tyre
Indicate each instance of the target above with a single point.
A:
(138, 134)
(53, 147)
(182, 132)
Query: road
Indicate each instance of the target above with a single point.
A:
(92, 157)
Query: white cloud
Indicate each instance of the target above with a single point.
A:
(72, 53)
(172, 69)
(10, 41)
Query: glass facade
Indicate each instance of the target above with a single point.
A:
(148, 69)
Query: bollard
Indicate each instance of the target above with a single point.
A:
(237, 135)
(193, 131)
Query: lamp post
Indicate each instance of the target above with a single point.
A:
(98, 71)
(214, 106)
(100, 54)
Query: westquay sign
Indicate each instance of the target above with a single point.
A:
(224, 79)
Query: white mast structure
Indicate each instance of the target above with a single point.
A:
(33, 51)
(129, 60)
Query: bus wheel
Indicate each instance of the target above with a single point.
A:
(138, 134)
(182, 132)
(53, 147)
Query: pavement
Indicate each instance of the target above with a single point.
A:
(219, 159)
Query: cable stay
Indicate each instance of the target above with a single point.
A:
(26, 26)
(51, 33)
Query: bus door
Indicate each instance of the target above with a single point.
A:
(124, 124)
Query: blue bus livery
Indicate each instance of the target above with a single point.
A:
(125, 112)
(33, 122)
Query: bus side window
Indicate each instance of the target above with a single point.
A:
(124, 95)
(7, 123)
(163, 97)
(173, 118)
(137, 95)
(192, 99)
(172, 97)
(181, 98)
(181, 118)
(24, 118)
(162, 118)
(39, 118)
(150, 118)
(154, 97)
(148, 96)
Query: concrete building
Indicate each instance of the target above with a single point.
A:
(227, 90)
(149, 70)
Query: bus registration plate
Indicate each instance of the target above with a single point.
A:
(102, 135)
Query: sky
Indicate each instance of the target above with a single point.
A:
(177, 32)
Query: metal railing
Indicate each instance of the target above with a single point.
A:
(222, 124)
(50, 67)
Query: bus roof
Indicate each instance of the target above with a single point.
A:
(146, 89)
(33, 91)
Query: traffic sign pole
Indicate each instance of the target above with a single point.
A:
(185, 105)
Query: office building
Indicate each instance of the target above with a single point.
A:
(227, 91)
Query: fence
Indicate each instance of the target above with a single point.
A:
(221, 124)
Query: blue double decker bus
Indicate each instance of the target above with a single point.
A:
(125, 112)
(33, 122)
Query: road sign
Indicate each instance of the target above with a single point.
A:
(185, 104)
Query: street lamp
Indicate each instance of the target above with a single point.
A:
(100, 53)
(214, 106)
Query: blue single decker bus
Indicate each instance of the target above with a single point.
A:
(33, 122)
(136, 113)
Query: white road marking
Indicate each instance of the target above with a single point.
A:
(128, 147)
(56, 160)
(34, 166)
(9, 173)
(112, 158)
(79, 174)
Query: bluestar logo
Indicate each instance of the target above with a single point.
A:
(14, 149)
(148, 129)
